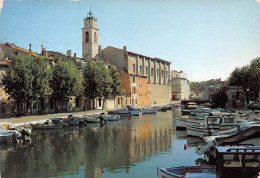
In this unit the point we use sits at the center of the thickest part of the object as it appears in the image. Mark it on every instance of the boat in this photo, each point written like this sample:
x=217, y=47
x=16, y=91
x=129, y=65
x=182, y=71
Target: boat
x=214, y=124
x=8, y=136
x=112, y=117
x=237, y=136
x=134, y=111
x=94, y=118
x=187, y=171
x=234, y=162
x=191, y=105
x=148, y=110
x=47, y=125
x=227, y=119
x=120, y=111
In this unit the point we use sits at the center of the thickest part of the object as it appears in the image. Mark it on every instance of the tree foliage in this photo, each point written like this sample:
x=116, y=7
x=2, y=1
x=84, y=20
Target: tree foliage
x=248, y=77
x=66, y=80
x=219, y=98
x=27, y=79
x=116, y=84
x=97, y=81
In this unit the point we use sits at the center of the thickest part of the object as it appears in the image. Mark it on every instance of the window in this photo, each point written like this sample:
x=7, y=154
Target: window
x=157, y=71
x=166, y=74
x=162, y=73
x=140, y=70
x=125, y=101
x=118, y=100
x=152, y=71
x=95, y=37
x=133, y=79
x=133, y=89
x=146, y=70
x=87, y=37
x=133, y=67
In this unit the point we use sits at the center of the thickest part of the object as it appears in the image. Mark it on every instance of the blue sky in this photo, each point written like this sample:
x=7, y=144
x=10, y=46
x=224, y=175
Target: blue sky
x=204, y=38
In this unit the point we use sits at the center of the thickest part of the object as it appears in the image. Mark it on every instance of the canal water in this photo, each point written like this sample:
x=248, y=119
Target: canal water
x=127, y=148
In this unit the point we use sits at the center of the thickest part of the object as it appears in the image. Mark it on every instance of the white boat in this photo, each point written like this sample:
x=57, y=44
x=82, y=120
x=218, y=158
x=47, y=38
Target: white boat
x=187, y=171
x=94, y=118
x=148, y=110
x=214, y=124
x=228, y=119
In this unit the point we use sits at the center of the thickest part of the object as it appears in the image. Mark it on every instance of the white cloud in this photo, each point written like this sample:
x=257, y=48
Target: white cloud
x=258, y=1
x=1, y=5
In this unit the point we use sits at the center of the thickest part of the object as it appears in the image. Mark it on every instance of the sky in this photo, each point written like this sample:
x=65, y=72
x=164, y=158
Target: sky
x=206, y=39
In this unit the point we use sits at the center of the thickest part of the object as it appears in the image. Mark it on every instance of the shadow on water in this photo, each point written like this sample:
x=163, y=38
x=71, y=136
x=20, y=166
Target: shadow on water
x=91, y=150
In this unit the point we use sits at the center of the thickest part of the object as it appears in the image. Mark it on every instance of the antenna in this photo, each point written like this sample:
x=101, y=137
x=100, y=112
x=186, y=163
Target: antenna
x=66, y=46
x=42, y=42
x=90, y=13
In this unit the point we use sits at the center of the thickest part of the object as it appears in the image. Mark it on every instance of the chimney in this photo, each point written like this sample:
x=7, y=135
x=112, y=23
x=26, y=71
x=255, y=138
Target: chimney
x=75, y=54
x=69, y=53
x=124, y=48
x=44, y=52
x=30, y=48
x=1, y=54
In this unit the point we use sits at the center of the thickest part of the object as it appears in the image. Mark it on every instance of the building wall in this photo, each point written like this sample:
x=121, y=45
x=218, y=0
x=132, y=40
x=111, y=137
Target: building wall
x=160, y=94
x=143, y=91
x=115, y=57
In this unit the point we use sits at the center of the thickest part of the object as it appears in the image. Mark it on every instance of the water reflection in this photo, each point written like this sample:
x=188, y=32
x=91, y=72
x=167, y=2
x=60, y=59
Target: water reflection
x=89, y=150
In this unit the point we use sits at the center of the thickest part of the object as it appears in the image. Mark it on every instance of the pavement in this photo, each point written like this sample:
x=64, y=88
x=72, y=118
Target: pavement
x=26, y=120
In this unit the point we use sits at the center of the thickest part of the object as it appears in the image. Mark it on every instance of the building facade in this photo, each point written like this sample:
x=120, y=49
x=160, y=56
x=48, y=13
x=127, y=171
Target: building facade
x=180, y=87
x=148, y=78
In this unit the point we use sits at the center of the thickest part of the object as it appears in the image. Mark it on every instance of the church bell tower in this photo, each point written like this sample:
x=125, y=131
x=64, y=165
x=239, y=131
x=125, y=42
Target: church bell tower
x=90, y=37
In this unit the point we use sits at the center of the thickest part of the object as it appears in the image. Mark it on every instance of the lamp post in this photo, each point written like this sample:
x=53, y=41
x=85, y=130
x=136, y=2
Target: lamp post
x=247, y=99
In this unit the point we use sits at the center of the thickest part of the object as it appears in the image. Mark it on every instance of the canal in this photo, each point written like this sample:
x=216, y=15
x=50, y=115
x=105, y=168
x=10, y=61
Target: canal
x=127, y=148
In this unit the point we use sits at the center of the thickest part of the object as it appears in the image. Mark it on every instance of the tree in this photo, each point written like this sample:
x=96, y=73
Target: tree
x=66, y=81
x=97, y=81
x=27, y=79
x=116, y=84
x=219, y=98
x=248, y=77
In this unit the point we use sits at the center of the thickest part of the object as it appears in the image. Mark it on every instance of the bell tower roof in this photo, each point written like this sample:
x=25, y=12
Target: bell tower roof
x=90, y=15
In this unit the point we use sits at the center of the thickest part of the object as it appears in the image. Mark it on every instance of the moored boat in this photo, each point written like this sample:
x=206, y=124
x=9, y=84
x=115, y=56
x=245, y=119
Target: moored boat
x=187, y=171
x=111, y=117
x=47, y=125
x=148, y=110
x=234, y=162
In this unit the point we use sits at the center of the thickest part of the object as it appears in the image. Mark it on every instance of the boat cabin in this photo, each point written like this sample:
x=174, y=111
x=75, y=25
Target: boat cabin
x=243, y=161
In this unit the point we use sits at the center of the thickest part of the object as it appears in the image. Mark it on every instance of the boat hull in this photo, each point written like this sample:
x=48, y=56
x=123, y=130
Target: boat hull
x=200, y=171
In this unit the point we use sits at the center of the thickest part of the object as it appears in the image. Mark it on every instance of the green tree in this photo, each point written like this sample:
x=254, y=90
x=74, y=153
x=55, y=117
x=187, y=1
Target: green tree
x=66, y=81
x=219, y=98
x=116, y=84
x=248, y=77
x=27, y=79
x=97, y=81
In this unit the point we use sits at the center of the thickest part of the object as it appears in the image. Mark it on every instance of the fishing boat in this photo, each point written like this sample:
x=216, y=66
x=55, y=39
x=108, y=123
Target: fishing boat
x=7, y=136
x=227, y=119
x=233, y=162
x=187, y=171
x=111, y=117
x=148, y=110
x=48, y=125
x=120, y=111
x=214, y=124
x=134, y=111
x=94, y=118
